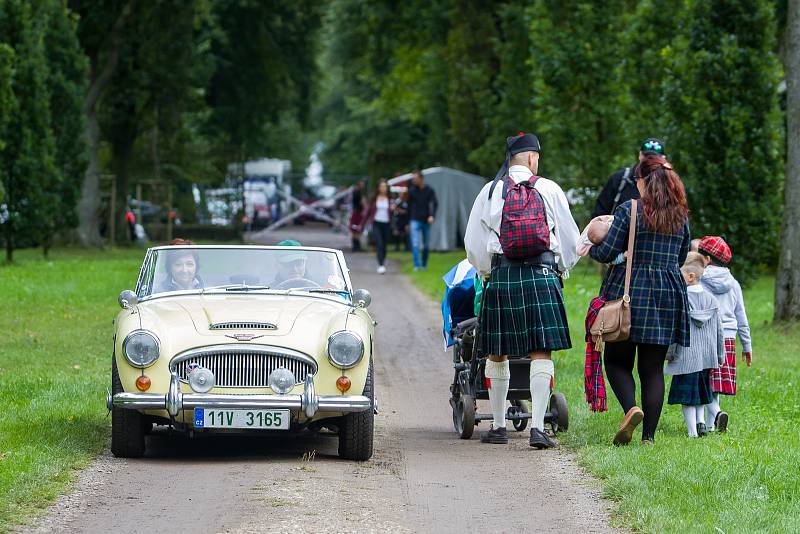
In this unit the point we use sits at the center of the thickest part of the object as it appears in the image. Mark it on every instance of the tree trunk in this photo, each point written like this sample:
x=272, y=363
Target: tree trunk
x=122, y=149
x=787, y=286
x=89, y=203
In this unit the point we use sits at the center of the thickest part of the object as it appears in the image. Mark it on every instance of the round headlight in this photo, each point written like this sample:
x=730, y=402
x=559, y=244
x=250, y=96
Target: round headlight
x=201, y=380
x=345, y=349
x=141, y=348
x=281, y=380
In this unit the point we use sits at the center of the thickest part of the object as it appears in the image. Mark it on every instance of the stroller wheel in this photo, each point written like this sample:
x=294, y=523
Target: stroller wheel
x=519, y=407
x=464, y=416
x=559, y=412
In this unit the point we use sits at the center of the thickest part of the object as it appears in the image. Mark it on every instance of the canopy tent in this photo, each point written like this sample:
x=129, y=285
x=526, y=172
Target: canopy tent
x=456, y=192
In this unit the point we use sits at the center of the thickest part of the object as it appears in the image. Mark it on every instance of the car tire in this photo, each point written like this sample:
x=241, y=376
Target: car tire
x=356, y=429
x=127, y=426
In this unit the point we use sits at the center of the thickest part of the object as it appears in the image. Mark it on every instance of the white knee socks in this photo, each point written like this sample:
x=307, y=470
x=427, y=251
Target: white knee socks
x=712, y=409
x=690, y=416
x=542, y=372
x=499, y=375
x=700, y=413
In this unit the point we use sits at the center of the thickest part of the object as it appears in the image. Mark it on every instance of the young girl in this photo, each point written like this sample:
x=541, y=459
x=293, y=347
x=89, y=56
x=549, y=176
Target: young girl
x=380, y=215
x=724, y=287
x=691, y=367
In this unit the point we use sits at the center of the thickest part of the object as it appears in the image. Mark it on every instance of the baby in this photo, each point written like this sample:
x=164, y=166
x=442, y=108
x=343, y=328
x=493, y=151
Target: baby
x=594, y=233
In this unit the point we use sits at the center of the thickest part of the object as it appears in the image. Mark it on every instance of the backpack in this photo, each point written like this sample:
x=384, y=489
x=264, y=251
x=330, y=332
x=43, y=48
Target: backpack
x=524, y=232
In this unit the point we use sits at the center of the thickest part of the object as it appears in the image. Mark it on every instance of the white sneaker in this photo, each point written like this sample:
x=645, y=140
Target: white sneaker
x=381, y=269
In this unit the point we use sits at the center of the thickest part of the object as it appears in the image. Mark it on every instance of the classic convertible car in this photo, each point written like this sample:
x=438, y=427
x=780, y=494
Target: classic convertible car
x=243, y=339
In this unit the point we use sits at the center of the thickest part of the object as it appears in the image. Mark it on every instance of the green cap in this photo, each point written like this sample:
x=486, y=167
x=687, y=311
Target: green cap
x=293, y=256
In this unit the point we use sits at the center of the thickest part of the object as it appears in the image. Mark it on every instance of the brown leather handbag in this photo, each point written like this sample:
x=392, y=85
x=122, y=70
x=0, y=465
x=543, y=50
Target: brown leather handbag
x=613, y=321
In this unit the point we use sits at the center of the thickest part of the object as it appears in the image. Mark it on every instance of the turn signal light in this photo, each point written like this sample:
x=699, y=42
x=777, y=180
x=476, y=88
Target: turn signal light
x=143, y=383
x=343, y=384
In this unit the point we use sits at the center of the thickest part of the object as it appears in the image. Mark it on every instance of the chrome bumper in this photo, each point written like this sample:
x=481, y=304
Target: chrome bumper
x=175, y=401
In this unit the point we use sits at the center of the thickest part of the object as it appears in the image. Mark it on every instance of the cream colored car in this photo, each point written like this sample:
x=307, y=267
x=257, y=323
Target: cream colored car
x=243, y=339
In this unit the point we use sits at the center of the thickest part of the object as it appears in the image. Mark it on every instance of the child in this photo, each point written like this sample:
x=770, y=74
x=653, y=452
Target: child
x=690, y=367
x=594, y=234
x=724, y=287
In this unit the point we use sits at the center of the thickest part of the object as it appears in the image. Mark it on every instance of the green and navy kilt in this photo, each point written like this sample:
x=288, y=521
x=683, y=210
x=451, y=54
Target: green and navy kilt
x=523, y=311
x=692, y=389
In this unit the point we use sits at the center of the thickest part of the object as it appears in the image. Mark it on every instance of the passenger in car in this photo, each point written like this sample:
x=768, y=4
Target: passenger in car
x=182, y=267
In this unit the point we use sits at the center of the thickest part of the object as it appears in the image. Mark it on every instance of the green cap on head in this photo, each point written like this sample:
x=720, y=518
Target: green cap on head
x=290, y=243
x=292, y=256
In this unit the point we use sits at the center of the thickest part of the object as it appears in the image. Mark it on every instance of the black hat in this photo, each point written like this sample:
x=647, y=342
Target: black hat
x=653, y=145
x=523, y=143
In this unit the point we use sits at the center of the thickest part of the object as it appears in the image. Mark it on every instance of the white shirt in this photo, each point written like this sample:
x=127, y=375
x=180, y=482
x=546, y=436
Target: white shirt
x=481, y=239
x=382, y=210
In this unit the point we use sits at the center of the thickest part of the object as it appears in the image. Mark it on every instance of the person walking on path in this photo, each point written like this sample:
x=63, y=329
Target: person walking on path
x=658, y=305
x=422, y=205
x=379, y=214
x=400, y=222
x=621, y=186
x=523, y=306
x=357, y=214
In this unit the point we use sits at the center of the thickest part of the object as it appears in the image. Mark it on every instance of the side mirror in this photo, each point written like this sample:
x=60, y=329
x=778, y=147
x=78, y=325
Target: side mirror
x=362, y=298
x=127, y=299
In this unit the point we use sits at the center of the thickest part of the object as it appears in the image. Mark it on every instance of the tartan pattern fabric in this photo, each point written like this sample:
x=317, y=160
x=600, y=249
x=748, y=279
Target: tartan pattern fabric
x=523, y=229
x=716, y=247
x=594, y=384
x=723, y=379
x=691, y=389
x=522, y=311
x=659, y=305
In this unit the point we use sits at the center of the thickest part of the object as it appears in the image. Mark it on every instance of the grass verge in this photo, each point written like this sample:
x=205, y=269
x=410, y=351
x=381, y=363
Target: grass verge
x=743, y=481
x=55, y=357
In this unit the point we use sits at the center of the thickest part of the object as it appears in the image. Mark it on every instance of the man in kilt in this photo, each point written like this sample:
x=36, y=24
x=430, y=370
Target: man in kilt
x=523, y=307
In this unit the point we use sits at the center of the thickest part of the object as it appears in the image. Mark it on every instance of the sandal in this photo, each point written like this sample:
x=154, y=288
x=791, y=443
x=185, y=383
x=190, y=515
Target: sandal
x=628, y=425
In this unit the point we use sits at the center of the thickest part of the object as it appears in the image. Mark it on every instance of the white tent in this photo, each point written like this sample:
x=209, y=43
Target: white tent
x=456, y=192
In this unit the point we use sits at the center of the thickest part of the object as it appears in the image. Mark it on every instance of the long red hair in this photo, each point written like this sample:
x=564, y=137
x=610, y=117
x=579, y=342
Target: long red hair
x=664, y=198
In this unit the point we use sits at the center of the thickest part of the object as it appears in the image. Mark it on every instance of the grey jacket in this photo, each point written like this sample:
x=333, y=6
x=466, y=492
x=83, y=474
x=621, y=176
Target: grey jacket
x=723, y=286
x=707, y=350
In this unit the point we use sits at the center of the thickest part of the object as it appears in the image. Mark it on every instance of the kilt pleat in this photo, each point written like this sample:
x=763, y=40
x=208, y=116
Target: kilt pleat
x=523, y=311
x=723, y=379
x=691, y=389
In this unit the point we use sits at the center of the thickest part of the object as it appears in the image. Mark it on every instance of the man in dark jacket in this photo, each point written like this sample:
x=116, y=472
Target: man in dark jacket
x=422, y=205
x=621, y=185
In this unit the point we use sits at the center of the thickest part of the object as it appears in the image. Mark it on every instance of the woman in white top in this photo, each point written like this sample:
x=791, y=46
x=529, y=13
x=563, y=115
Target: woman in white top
x=380, y=214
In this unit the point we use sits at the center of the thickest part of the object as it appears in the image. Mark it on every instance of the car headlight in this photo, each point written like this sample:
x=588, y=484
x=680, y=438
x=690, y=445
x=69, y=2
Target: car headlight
x=141, y=348
x=345, y=349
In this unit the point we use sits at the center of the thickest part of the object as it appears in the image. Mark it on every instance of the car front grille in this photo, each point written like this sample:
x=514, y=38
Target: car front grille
x=238, y=367
x=242, y=326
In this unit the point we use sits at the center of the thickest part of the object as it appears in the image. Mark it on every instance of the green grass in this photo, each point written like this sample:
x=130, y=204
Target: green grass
x=743, y=481
x=55, y=358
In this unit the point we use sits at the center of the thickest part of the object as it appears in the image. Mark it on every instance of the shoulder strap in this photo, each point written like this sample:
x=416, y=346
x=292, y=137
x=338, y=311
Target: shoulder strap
x=622, y=183
x=631, y=241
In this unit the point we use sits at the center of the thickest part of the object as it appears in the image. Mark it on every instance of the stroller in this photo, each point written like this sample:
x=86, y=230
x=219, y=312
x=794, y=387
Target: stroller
x=461, y=331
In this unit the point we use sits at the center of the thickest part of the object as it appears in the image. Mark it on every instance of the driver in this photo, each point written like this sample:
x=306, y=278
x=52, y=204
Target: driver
x=291, y=264
x=182, y=266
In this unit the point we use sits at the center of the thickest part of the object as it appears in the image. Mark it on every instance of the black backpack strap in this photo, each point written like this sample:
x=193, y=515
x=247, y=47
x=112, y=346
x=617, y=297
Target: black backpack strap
x=622, y=184
x=494, y=185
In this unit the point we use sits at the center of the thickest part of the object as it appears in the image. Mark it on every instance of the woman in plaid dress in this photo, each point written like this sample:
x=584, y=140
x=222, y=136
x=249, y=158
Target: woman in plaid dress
x=659, y=308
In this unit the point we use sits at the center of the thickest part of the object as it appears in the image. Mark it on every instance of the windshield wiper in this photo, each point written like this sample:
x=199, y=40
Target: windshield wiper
x=324, y=290
x=245, y=288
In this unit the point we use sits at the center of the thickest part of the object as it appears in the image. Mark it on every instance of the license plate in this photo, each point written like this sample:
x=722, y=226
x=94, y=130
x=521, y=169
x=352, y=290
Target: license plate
x=260, y=419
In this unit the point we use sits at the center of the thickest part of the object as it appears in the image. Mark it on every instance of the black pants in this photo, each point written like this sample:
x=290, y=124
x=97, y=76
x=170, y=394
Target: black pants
x=619, y=359
x=382, y=231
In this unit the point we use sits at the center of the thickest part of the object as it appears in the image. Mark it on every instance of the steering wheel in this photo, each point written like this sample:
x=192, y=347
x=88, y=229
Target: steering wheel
x=296, y=282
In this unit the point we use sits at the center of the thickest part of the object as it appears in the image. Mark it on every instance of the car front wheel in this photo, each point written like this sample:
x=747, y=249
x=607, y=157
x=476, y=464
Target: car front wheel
x=356, y=429
x=127, y=426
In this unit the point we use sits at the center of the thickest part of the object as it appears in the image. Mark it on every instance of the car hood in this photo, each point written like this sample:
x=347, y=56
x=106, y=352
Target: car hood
x=230, y=313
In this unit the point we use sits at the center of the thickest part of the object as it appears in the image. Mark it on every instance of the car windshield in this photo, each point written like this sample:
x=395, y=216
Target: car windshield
x=240, y=270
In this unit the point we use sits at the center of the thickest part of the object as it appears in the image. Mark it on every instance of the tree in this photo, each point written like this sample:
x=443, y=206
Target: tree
x=720, y=94
x=787, y=286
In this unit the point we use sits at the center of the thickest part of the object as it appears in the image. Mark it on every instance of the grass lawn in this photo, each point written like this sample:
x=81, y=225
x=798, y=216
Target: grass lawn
x=55, y=360
x=743, y=481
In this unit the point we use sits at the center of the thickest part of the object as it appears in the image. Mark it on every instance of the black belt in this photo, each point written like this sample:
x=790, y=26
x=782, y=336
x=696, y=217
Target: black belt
x=545, y=260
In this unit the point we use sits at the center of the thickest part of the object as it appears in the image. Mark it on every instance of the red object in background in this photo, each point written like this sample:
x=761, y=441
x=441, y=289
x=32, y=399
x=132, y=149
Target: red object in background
x=172, y=214
x=130, y=217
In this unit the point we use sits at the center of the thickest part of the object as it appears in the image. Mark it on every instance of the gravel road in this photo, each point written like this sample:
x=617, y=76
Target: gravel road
x=421, y=478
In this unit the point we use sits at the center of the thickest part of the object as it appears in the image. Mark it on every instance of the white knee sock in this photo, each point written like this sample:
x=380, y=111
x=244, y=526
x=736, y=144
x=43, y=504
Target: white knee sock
x=689, y=415
x=712, y=409
x=542, y=372
x=499, y=375
x=700, y=413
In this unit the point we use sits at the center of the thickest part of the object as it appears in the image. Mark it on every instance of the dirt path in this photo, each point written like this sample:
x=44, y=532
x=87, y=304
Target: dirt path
x=421, y=479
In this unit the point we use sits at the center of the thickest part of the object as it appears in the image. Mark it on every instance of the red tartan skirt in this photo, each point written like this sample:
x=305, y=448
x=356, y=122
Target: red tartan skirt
x=723, y=379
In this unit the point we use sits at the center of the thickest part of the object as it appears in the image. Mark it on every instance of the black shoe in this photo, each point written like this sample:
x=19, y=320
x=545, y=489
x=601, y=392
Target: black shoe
x=721, y=422
x=701, y=429
x=540, y=440
x=496, y=436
